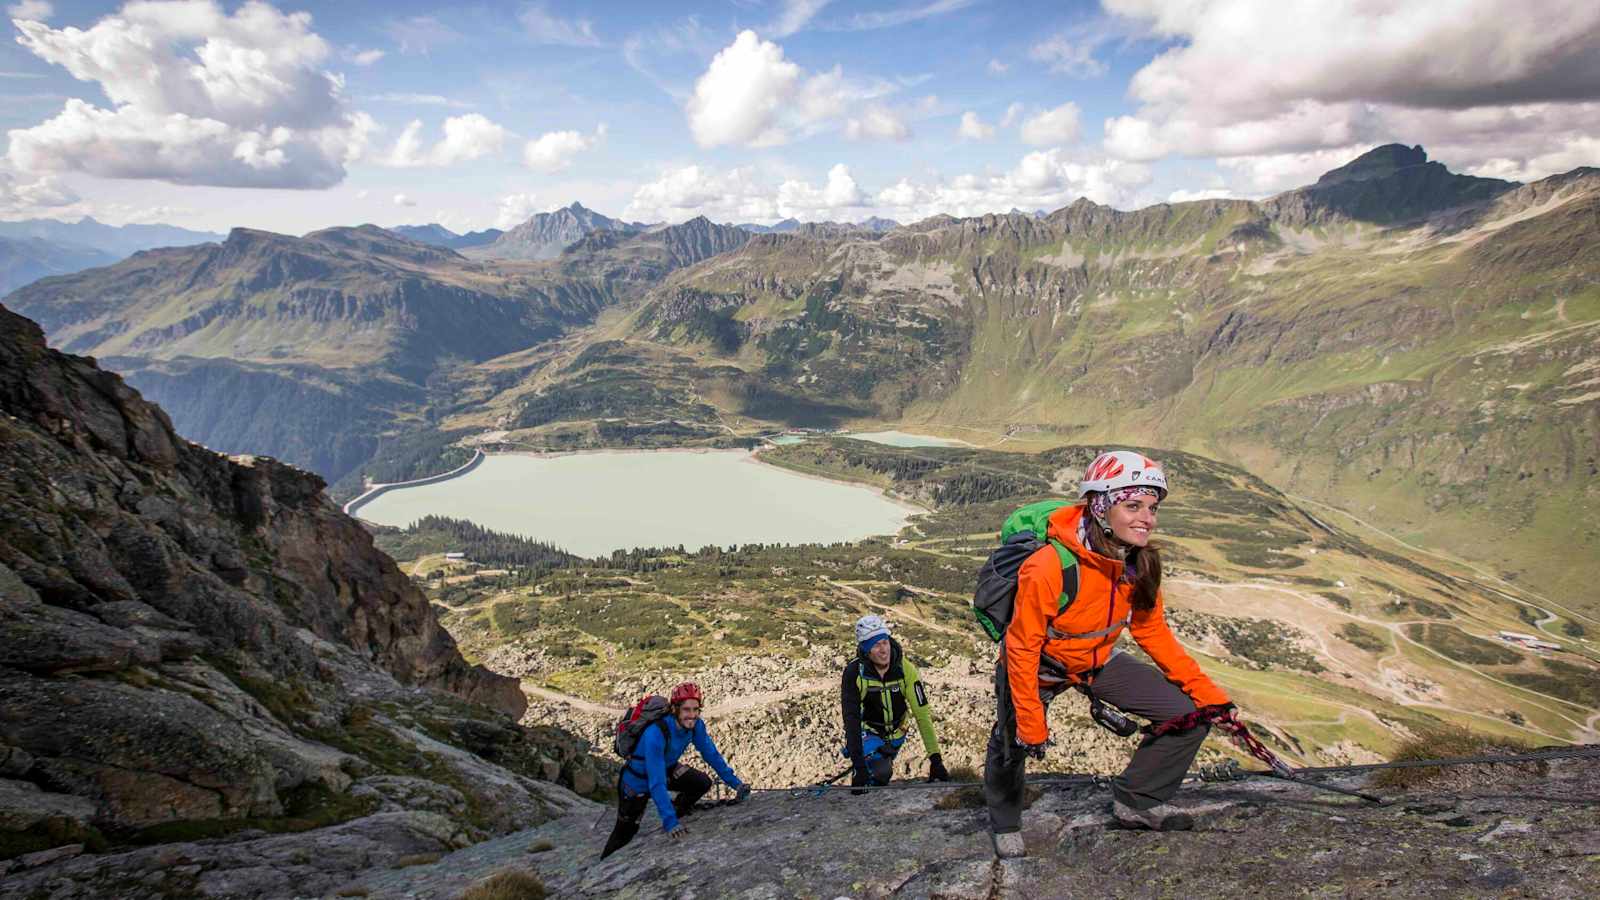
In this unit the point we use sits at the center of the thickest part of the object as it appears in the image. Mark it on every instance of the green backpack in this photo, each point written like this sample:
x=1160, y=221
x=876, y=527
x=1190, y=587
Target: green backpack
x=1022, y=533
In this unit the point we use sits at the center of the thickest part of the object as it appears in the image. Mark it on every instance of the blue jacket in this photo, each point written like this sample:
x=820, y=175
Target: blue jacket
x=658, y=759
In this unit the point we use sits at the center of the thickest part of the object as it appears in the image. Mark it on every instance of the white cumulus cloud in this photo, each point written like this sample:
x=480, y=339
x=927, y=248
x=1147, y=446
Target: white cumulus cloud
x=738, y=99
x=996, y=67
x=1473, y=80
x=973, y=128
x=27, y=197
x=1184, y=196
x=404, y=200
x=465, y=139
x=555, y=150
x=752, y=95
x=799, y=199
x=738, y=195
x=1053, y=126
x=1045, y=179
x=200, y=96
x=514, y=209
x=682, y=193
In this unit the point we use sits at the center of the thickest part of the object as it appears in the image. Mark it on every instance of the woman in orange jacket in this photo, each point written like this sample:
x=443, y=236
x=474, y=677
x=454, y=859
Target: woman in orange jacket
x=1048, y=648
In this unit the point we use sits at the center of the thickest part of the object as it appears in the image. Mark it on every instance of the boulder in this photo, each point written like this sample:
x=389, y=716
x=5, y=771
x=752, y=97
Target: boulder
x=24, y=805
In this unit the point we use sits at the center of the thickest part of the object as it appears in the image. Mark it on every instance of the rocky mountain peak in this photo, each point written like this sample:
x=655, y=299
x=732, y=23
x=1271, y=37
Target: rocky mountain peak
x=1379, y=162
x=546, y=235
x=1390, y=184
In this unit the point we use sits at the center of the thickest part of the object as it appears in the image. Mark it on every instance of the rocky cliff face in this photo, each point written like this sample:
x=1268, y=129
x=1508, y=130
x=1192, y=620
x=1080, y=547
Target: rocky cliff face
x=192, y=645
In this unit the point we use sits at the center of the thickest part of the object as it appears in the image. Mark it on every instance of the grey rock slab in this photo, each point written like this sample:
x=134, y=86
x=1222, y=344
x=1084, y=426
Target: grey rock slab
x=128, y=613
x=145, y=756
x=23, y=805
x=35, y=637
x=45, y=857
x=310, y=864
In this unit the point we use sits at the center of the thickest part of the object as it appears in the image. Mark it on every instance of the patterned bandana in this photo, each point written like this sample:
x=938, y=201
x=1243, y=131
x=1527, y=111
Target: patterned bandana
x=1101, y=502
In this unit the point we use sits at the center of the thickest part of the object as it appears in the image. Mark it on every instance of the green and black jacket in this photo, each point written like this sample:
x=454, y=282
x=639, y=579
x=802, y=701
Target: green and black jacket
x=879, y=704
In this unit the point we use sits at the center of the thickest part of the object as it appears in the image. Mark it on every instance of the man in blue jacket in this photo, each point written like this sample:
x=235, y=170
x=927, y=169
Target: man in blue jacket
x=654, y=770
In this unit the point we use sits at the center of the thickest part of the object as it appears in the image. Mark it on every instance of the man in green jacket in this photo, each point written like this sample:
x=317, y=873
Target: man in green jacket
x=876, y=691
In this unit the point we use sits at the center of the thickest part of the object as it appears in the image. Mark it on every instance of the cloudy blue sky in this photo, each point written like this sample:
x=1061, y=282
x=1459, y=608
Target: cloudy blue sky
x=298, y=115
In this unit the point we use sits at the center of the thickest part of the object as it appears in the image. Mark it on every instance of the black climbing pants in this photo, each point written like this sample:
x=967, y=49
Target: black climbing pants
x=689, y=784
x=1152, y=777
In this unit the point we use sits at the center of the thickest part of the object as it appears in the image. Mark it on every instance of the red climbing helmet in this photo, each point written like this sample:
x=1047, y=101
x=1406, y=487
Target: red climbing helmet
x=687, y=691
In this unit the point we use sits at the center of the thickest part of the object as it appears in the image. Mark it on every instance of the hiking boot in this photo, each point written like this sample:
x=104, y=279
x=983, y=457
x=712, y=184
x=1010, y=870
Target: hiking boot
x=1164, y=817
x=1008, y=845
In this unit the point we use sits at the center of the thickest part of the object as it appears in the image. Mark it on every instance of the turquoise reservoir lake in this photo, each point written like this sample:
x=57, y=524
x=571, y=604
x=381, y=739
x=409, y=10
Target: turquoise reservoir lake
x=593, y=503
x=902, y=439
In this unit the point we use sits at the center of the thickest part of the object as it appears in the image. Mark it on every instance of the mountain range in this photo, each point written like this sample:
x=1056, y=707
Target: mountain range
x=31, y=249
x=790, y=225
x=312, y=348
x=1410, y=345
x=440, y=236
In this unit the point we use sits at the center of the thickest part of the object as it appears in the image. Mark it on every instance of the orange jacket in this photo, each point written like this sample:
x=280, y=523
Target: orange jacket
x=1102, y=609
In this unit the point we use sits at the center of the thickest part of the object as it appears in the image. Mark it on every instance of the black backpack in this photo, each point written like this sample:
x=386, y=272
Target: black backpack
x=995, y=598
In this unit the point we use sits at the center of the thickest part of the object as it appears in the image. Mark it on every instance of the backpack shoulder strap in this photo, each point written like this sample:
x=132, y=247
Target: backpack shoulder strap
x=1069, y=575
x=666, y=735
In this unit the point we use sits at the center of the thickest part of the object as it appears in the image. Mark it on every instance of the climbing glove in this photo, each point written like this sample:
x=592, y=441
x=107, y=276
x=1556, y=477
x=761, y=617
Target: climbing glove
x=858, y=780
x=1035, y=750
x=742, y=794
x=936, y=769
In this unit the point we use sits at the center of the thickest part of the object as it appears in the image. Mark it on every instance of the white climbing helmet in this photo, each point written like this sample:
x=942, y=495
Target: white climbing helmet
x=1117, y=469
x=870, y=626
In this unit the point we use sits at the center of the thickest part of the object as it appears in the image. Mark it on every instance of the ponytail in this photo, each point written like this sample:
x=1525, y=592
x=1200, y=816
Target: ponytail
x=1147, y=586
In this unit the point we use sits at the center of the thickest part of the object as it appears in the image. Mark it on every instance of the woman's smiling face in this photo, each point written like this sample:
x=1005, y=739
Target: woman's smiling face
x=1133, y=520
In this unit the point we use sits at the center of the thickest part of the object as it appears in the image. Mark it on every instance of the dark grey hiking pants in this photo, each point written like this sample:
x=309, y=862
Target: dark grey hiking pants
x=1153, y=775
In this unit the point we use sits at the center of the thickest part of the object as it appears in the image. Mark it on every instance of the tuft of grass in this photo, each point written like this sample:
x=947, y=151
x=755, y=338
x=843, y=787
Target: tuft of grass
x=972, y=798
x=965, y=773
x=541, y=847
x=510, y=884
x=417, y=859
x=1446, y=743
